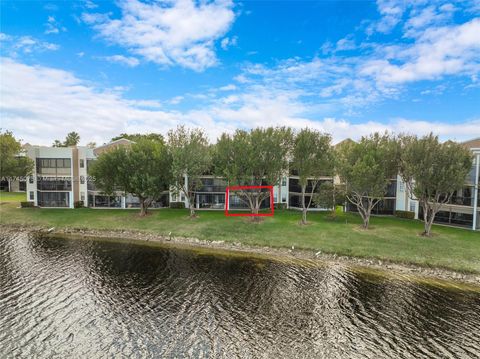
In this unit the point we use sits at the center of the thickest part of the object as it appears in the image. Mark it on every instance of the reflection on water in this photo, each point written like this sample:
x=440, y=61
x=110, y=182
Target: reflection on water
x=71, y=298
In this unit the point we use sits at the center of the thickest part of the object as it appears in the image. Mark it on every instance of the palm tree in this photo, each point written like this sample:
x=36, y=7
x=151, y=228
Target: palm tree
x=72, y=139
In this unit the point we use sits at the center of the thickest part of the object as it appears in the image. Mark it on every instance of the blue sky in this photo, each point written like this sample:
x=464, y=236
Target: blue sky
x=344, y=67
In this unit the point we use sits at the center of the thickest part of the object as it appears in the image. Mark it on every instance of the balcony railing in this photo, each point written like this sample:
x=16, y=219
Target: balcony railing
x=211, y=189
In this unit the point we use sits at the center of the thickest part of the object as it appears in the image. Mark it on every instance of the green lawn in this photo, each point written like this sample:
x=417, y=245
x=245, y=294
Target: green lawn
x=388, y=239
x=12, y=196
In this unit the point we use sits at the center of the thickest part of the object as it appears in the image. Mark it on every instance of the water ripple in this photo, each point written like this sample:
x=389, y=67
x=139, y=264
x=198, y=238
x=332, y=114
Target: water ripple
x=89, y=299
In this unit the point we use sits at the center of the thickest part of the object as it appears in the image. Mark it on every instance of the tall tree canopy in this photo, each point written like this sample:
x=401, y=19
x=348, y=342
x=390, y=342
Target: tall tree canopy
x=13, y=162
x=312, y=159
x=330, y=195
x=432, y=172
x=191, y=156
x=72, y=139
x=367, y=168
x=138, y=136
x=143, y=169
x=256, y=157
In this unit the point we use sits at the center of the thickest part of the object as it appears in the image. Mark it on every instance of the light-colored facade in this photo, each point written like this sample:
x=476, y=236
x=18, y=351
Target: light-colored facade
x=59, y=178
x=464, y=207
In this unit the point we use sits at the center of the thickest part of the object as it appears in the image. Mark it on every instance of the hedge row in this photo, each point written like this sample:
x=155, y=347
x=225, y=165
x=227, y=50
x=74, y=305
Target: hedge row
x=405, y=214
x=177, y=205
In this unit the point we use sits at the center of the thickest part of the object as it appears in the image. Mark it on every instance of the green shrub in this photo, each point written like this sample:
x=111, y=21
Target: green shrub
x=27, y=204
x=280, y=206
x=78, y=204
x=177, y=205
x=405, y=214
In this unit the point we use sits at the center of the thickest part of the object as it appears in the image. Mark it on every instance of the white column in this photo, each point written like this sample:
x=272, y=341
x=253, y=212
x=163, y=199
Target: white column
x=71, y=198
x=475, y=197
x=288, y=192
x=187, y=202
x=124, y=200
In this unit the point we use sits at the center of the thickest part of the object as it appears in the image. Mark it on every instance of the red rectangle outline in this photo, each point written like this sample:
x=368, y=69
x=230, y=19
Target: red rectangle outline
x=269, y=214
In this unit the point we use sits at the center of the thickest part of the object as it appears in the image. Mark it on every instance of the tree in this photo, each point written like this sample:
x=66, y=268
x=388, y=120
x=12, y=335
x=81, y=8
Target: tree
x=191, y=157
x=330, y=195
x=312, y=159
x=72, y=139
x=13, y=162
x=142, y=169
x=254, y=158
x=432, y=172
x=367, y=168
x=91, y=144
x=138, y=136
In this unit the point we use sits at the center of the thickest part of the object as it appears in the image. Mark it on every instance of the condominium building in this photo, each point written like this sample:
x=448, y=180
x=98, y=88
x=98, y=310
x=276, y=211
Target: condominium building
x=61, y=178
x=463, y=209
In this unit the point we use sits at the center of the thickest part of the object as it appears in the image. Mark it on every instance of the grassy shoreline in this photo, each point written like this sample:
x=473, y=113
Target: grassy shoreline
x=389, y=239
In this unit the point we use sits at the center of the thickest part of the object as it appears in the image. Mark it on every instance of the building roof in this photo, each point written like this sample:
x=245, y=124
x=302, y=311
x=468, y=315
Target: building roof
x=113, y=144
x=471, y=144
x=347, y=140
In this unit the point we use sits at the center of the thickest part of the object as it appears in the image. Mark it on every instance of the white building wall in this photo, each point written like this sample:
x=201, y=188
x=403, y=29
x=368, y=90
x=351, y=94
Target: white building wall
x=401, y=201
x=35, y=152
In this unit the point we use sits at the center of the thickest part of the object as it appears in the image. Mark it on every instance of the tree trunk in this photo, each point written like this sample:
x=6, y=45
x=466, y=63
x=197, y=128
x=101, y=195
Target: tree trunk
x=255, y=209
x=192, y=210
x=9, y=185
x=426, y=227
x=143, y=207
x=428, y=217
x=255, y=206
x=365, y=214
x=191, y=202
x=304, y=208
x=366, y=221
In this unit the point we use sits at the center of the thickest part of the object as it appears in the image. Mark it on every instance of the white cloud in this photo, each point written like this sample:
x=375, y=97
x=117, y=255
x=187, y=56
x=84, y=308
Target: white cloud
x=345, y=44
x=4, y=37
x=74, y=104
x=391, y=12
x=99, y=114
x=25, y=44
x=441, y=51
x=180, y=32
x=176, y=100
x=52, y=26
x=228, y=42
x=229, y=87
x=90, y=4
x=124, y=60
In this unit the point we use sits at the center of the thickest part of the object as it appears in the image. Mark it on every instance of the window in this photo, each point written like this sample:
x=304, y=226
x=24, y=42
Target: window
x=284, y=181
x=82, y=163
x=53, y=199
x=32, y=196
x=82, y=179
x=51, y=164
x=54, y=184
x=401, y=187
x=412, y=206
x=30, y=179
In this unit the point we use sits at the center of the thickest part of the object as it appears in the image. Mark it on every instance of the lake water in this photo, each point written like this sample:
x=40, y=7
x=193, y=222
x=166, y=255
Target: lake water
x=92, y=299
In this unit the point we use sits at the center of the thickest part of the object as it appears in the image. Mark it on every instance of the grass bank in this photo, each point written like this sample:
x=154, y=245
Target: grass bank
x=390, y=239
